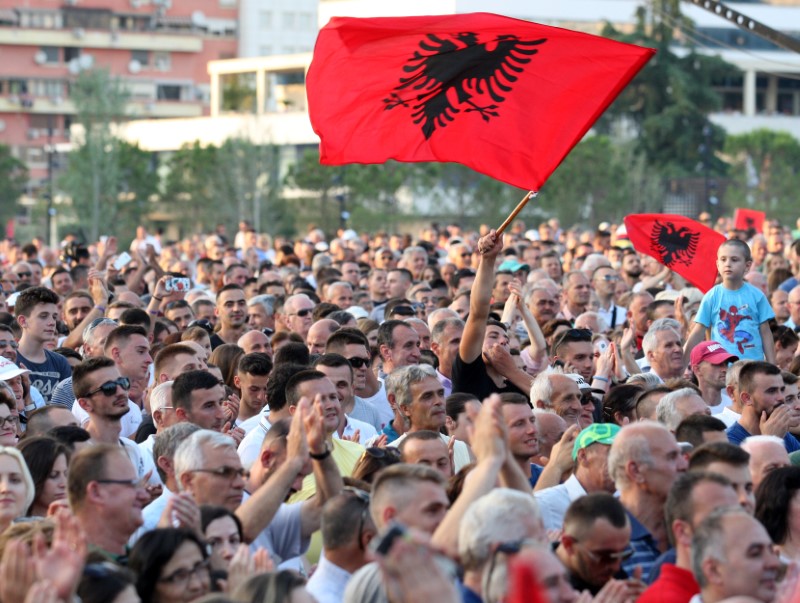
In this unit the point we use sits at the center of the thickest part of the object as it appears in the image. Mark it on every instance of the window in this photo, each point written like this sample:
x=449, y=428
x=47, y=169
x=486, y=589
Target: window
x=162, y=61
x=265, y=51
x=304, y=21
x=51, y=54
x=288, y=20
x=143, y=56
x=70, y=52
x=265, y=19
x=168, y=92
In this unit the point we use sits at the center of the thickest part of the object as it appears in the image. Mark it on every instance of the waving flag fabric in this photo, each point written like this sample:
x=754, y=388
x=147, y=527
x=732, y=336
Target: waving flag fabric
x=506, y=97
x=683, y=245
x=745, y=219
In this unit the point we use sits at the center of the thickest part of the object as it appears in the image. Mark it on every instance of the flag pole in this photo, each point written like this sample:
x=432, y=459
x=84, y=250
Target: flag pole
x=530, y=195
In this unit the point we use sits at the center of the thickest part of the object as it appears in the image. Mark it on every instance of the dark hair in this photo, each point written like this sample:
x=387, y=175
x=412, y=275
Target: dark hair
x=621, y=399
x=292, y=353
x=680, y=504
x=294, y=383
x=373, y=460
x=424, y=435
x=103, y=582
x=69, y=435
x=40, y=454
x=153, y=551
x=456, y=403
x=774, y=499
x=81, y=372
x=255, y=363
x=333, y=361
x=743, y=247
x=718, y=452
x=28, y=299
x=785, y=336
x=343, y=337
x=135, y=316
x=123, y=333
x=226, y=357
x=386, y=331
x=515, y=399
x=186, y=383
x=692, y=428
x=274, y=587
x=276, y=384
x=168, y=353
x=584, y=511
x=228, y=287
x=210, y=513
x=39, y=420
x=749, y=371
x=68, y=353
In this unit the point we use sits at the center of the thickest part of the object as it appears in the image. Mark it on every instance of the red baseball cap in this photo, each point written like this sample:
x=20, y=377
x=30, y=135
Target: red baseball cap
x=712, y=352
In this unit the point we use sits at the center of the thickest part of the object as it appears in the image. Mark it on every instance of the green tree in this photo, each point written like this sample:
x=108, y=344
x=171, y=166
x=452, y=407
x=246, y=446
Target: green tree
x=765, y=174
x=94, y=175
x=13, y=178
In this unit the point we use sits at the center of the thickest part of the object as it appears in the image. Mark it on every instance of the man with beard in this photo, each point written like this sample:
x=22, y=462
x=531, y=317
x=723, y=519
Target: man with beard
x=709, y=363
x=232, y=313
x=637, y=317
x=103, y=394
x=631, y=268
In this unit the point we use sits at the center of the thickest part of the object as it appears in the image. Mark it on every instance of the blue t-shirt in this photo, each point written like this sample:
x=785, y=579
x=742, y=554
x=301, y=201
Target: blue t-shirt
x=46, y=375
x=734, y=317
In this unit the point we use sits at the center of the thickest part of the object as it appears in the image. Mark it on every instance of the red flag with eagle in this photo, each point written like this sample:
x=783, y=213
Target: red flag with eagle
x=745, y=219
x=681, y=244
x=506, y=97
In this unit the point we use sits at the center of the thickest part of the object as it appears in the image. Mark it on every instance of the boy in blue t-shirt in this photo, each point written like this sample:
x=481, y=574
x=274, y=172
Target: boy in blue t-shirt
x=735, y=312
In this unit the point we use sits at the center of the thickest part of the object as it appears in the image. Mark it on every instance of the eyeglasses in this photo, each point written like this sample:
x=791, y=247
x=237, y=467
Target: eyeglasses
x=109, y=388
x=610, y=277
x=182, y=576
x=587, y=399
x=466, y=254
x=303, y=313
x=364, y=497
x=226, y=472
x=9, y=344
x=511, y=547
x=9, y=421
x=137, y=484
x=24, y=274
x=358, y=362
x=606, y=557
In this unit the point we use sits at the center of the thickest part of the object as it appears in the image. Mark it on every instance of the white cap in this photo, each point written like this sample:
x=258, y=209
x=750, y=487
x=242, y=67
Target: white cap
x=9, y=370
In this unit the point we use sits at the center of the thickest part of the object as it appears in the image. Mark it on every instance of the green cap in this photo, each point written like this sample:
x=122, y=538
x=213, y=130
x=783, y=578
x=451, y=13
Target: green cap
x=596, y=432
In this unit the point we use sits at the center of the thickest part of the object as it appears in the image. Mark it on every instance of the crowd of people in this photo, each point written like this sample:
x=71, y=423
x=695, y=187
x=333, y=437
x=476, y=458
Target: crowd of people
x=538, y=415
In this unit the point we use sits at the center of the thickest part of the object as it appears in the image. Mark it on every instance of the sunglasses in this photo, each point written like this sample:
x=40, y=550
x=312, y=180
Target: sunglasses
x=203, y=323
x=109, y=388
x=404, y=311
x=9, y=344
x=303, y=313
x=24, y=274
x=357, y=362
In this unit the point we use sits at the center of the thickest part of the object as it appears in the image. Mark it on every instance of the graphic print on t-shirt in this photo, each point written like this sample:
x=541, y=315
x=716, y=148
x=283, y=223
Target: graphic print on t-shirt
x=729, y=322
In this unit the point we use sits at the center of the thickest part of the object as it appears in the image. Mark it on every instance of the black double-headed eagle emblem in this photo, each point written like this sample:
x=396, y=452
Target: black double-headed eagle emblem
x=449, y=74
x=674, y=245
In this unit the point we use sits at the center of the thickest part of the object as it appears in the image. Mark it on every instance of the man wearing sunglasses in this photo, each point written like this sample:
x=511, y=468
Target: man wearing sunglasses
x=102, y=393
x=24, y=273
x=594, y=543
x=296, y=315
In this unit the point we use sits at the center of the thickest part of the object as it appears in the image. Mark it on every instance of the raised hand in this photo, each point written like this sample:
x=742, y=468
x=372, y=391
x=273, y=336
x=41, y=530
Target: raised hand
x=61, y=564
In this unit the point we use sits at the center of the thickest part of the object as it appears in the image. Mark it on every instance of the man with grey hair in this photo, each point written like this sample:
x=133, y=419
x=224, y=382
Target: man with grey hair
x=438, y=315
x=208, y=467
x=592, y=321
x=163, y=417
x=553, y=390
x=164, y=446
x=261, y=312
x=676, y=406
x=663, y=349
x=418, y=398
x=497, y=518
x=414, y=259
x=296, y=314
x=445, y=338
x=731, y=414
x=542, y=301
x=644, y=461
x=733, y=556
x=340, y=293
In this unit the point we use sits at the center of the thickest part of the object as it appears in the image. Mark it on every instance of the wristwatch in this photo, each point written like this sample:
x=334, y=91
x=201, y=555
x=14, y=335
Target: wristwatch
x=322, y=455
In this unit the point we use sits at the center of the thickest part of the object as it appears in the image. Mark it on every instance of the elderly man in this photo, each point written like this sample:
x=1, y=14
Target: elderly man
x=662, y=346
x=733, y=556
x=445, y=339
x=255, y=341
x=318, y=335
x=590, y=455
x=296, y=315
x=107, y=497
x=417, y=395
x=709, y=363
x=555, y=391
x=644, y=461
x=767, y=453
x=341, y=294
x=594, y=544
x=793, y=301
x=761, y=390
x=692, y=498
x=674, y=407
x=261, y=312
x=543, y=303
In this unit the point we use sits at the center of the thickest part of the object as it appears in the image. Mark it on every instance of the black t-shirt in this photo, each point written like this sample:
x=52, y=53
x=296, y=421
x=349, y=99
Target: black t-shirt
x=216, y=341
x=473, y=379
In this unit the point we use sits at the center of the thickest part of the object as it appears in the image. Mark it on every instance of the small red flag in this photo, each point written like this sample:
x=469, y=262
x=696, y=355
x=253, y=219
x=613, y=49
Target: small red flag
x=682, y=244
x=745, y=219
x=506, y=97
x=524, y=586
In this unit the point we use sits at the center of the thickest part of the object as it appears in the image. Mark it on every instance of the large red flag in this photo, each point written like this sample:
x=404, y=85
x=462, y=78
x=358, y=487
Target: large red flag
x=682, y=244
x=745, y=219
x=506, y=97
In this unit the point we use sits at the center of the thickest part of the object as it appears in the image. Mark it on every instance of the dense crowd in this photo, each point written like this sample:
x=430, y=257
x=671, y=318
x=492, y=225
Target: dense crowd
x=542, y=415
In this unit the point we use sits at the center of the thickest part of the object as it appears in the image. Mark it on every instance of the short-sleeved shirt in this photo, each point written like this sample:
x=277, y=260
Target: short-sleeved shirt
x=645, y=548
x=472, y=378
x=734, y=317
x=46, y=375
x=738, y=434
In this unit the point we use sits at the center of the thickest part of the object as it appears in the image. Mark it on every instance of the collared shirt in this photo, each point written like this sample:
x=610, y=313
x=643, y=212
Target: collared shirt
x=328, y=582
x=447, y=384
x=644, y=545
x=554, y=501
x=675, y=585
x=365, y=430
x=251, y=443
x=390, y=433
x=467, y=594
x=614, y=315
x=461, y=456
x=738, y=434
